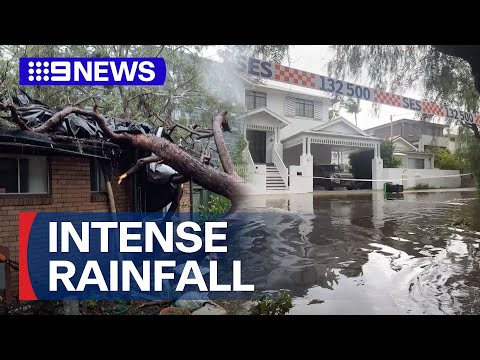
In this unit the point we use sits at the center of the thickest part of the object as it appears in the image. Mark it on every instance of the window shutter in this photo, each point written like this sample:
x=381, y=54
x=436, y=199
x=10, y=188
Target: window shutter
x=289, y=106
x=318, y=110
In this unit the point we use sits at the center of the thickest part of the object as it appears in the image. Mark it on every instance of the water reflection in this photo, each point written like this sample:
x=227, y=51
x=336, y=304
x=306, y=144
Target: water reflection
x=359, y=253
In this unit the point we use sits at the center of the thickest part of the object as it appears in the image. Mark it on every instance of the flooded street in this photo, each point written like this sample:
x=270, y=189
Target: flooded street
x=359, y=253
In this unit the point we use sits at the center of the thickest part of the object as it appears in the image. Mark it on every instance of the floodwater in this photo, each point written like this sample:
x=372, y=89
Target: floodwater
x=359, y=253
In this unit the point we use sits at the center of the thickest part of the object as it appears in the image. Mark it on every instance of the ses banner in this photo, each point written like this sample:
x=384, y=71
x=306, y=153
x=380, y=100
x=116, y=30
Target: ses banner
x=272, y=71
x=129, y=256
x=92, y=71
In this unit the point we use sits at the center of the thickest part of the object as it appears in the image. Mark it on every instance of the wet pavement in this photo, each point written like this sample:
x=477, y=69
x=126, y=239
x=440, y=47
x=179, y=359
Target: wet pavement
x=359, y=253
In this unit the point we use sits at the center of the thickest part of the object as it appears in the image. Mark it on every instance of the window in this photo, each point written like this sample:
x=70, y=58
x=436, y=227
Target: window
x=416, y=163
x=419, y=163
x=304, y=108
x=255, y=99
x=97, y=181
x=23, y=175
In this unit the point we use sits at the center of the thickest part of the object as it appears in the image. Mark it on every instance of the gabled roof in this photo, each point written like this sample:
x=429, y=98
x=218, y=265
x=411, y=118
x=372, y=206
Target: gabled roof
x=340, y=125
x=269, y=112
x=406, y=120
x=405, y=142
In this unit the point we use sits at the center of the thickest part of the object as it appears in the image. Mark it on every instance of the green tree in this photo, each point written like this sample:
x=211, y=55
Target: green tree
x=352, y=106
x=361, y=161
x=445, y=160
x=387, y=148
x=442, y=78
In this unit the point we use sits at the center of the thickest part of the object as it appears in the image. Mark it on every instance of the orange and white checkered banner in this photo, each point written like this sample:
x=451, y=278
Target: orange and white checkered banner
x=285, y=74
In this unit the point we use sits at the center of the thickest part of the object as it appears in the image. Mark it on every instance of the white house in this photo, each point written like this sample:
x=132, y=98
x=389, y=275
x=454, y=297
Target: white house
x=410, y=156
x=288, y=131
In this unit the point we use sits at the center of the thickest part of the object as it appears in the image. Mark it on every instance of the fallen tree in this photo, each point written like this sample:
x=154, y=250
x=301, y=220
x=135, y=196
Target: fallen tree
x=226, y=183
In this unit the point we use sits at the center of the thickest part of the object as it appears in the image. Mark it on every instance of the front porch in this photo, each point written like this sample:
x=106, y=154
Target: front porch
x=267, y=171
x=306, y=149
x=281, y=155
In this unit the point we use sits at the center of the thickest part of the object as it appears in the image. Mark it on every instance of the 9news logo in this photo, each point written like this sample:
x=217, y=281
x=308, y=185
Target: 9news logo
x=92, y=71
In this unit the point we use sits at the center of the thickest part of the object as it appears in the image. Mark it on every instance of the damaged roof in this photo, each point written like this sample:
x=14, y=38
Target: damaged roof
x=77, y=134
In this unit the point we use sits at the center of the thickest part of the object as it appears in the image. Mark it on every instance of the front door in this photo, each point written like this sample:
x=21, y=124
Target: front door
x=257, y=145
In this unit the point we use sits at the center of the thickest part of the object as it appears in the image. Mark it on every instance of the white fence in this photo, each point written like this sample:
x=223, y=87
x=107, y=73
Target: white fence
x=434, y=178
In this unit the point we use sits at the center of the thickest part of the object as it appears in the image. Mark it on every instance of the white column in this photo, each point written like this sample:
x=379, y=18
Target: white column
x=377, y=168
x=304, y=146
x=306, y=163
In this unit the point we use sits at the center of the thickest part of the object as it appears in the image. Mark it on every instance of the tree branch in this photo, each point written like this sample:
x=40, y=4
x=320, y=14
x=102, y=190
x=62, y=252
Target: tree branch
x=15, y=117
x=476, y=132
x=223, y=183
x=220, y=124
x=140, y=164
x=179, y=179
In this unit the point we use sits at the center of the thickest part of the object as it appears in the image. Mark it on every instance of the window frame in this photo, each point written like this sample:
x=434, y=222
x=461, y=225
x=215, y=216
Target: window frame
x=100, y=170
x=304, y=102
x=254, y=93
x=18, y=157
x=417, y=160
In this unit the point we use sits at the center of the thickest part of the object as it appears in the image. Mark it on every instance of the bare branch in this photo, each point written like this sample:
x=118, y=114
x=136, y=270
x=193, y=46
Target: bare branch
x=15, y=117
x=140, y=164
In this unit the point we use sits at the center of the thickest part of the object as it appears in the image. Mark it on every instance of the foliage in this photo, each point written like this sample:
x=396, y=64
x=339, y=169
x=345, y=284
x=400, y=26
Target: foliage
x=186, y=86
x=361, y=161
x=352, y=106
x=399, y=67
x=445, y=160
x=469, y=152
x=273, y=305
x=238, y=157
x=275, y=53
x=215, y=209
x=387, y=148
x=333, y=113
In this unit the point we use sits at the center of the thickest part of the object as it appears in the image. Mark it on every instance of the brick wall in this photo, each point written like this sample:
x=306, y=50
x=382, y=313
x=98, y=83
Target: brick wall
x=69, y=191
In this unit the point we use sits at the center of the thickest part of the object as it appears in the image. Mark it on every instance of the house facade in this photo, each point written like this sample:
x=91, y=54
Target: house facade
x=421, y=134
x=38, y=174
x=410, y=156
x=288, y=131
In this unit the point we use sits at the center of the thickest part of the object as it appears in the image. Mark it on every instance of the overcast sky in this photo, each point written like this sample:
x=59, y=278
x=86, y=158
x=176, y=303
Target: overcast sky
x=314, y=58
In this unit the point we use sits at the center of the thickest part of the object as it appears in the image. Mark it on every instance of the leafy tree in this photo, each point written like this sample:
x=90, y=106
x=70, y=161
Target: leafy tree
x=352, y=106
x=361, y=161
x=445, y=160
x=186, y=89
x=387, y=148
x=443, y=78
x=333, y=113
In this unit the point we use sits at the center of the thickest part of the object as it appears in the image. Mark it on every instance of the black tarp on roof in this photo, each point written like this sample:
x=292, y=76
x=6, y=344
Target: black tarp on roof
x=35, y=113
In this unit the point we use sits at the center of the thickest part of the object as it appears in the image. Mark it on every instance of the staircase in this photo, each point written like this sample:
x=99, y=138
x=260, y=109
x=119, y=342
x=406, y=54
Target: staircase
x=274, y=179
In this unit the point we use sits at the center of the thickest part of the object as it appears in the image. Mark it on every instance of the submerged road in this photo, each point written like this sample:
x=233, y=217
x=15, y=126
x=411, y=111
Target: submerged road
x=357, y=252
